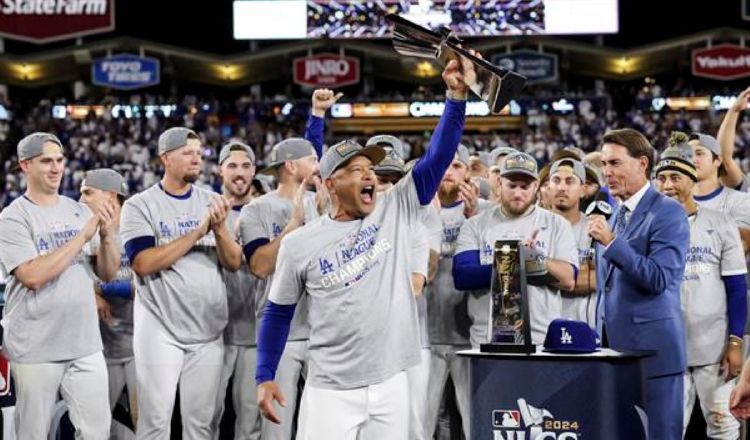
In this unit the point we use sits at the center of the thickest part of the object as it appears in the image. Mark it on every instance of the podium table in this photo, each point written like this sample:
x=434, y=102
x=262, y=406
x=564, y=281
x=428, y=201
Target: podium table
x=551, y=396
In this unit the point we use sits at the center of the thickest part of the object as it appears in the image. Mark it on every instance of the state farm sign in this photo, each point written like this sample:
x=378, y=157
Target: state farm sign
x=326, y=70
x=42, y=21
x=724, y=62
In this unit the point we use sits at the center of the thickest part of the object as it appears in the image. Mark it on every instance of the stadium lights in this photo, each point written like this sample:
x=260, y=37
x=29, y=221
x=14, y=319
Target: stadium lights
x=426, y=69
x=26, y=72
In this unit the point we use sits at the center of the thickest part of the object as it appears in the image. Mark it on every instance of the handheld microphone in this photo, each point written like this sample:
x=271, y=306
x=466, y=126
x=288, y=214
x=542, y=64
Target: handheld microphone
x=599, y=207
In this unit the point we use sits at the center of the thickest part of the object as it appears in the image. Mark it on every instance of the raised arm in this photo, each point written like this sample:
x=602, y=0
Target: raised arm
x=726, y=137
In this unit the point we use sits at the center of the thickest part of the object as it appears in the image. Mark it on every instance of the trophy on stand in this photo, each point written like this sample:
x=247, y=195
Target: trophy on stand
x=509, y=326
x=493, y=84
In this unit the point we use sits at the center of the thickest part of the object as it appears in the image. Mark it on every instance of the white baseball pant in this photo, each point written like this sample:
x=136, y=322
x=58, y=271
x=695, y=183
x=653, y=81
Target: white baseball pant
x=445, y=361
x=419, y=376
x=292, y=366
x=374, y=412
x=240, y=362
x=82, y=383
x=708, y=384
x=122, y=374
x=161, y=364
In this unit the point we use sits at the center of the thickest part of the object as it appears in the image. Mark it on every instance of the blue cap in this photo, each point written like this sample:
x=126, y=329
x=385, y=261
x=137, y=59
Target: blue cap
x=567, y=336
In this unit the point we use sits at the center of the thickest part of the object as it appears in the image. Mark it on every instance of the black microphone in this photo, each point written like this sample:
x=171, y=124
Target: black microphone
x=597, y=207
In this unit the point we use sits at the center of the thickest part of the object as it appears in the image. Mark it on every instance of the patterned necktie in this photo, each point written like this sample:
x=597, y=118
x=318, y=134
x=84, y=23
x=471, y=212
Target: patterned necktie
x=621, y=220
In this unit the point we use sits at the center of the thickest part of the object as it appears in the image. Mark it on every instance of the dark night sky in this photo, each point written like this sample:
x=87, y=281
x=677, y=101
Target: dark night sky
x=207, y=25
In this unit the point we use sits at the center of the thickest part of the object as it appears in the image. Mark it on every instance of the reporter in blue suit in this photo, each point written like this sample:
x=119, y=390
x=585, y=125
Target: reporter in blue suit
x=640, y=263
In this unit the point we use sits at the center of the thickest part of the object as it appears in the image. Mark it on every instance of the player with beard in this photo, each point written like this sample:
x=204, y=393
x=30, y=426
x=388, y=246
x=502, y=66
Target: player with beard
x=177, y=239
x=548, y=239
x=268, y=219
x=447, y=318
x=713, y=299
x=237, y=169
x=567, y=177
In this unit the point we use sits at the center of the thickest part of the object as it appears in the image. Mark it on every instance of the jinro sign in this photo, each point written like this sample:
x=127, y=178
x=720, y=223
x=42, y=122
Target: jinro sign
x=42, y=21
x=125, y=72
x=723, y=62
x=326, y=70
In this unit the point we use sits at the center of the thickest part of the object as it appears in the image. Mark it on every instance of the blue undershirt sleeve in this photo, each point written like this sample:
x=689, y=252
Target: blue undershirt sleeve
x=272, y=335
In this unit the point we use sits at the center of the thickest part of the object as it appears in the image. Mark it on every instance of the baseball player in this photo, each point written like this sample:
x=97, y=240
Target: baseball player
x=114, y=300
x=427, y=238
x=567, y=177
x=353, y=266
x=237, y=169
x=734, y=177
x=268, y=219
x=51, y=330
x=713, y=300
x=448, y=318
x=708, y=191
x=548, y=239
x=177, y=240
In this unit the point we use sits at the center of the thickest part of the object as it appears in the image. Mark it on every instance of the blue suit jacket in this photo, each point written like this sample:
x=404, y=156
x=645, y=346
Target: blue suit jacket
x=638, y=284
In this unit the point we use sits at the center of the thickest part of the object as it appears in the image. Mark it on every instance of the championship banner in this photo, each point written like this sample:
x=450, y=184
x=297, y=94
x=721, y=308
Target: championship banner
x=326, y=70
x=42, y=21
x=723, y=62
x=125, y=72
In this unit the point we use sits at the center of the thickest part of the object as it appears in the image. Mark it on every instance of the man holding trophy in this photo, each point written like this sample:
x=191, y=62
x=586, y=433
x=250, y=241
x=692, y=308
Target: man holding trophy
x=497, y=239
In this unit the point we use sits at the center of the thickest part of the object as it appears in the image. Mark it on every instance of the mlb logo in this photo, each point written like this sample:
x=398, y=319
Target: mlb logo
x=506, y=418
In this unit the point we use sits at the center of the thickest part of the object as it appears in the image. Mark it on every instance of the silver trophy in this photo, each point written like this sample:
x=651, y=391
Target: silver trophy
x=493, y=84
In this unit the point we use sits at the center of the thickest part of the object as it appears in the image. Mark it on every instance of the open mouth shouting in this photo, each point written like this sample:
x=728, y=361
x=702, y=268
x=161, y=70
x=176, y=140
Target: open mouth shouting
x=367, y=194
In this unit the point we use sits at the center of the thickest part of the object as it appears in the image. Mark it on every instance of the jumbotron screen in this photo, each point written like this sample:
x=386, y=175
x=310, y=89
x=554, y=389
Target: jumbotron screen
x=299, y=19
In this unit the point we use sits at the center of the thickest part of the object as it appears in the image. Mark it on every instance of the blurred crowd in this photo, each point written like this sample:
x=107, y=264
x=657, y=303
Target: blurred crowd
x=128, y=144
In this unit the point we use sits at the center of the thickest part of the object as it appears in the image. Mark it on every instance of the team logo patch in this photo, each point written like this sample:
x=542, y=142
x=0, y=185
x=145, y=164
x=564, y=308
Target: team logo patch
x=347, y=148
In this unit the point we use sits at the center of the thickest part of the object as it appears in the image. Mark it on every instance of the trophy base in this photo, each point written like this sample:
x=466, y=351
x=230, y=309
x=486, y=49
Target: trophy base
x=494, y=347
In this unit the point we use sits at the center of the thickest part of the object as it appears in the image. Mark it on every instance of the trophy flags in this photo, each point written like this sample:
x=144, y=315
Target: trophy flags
x=493, y=84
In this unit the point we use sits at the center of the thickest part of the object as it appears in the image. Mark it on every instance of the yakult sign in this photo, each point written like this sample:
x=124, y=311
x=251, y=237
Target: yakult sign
x=42, y=21
x=326, y=70
x=723, y=62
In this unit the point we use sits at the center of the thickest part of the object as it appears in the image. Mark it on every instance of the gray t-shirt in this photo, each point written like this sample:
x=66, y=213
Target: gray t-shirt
x=448, y=315
x=580, y=307
x=734, y=203
x=265, y=218
x=59, y=321
x=117, y=335
x=555, y=238
x=420, y=261
x=356, y=275
x=243, y=290
x=715, y=251
x=189, y=297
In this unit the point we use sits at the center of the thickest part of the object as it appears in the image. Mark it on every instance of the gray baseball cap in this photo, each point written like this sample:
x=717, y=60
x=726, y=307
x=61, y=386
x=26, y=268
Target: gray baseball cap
x=174, y=138
x=106, y=179
x=578, y=169
x=386, y=140
x=462, y=154
x=500, y=151
x=227, y=149
x=340, y=153
x=520, y=163
x=485, y=157
x=390, y=164
x=288, y=149
x=33, y=144
x=707, y=141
